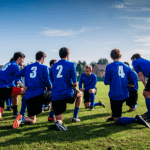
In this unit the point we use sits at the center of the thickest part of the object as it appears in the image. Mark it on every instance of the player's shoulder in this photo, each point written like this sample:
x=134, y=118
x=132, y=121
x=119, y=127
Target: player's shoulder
x=93, y=75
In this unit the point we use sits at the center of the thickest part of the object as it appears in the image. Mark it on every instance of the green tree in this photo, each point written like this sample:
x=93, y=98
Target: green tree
x=80, y=67
x=102, y=61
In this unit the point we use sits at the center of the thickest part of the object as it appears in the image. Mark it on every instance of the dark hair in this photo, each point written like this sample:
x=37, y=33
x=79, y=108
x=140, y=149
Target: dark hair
x=126, y=63
x=115, y=54
x=16, y=56
x=137, y=56
x=52, y=62
x=63, y=52
x=39, y=55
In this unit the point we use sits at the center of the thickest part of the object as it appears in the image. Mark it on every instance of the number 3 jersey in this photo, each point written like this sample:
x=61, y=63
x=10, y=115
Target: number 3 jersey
x=7, y=72
x=62, y=74
x=118, y=75
x=36, y=79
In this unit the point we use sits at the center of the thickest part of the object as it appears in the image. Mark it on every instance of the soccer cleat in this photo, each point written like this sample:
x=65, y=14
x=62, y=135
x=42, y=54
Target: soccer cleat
x=145, y=114
x=60, y=127
x=110, y=119
x=51, y=119
x=101, y=104
x=17, y=122
x=147, y=119
x=47, y=107
x=9, y=108
x=15, y=116
x=75, y=120
x=140, y=120
x=91, y=108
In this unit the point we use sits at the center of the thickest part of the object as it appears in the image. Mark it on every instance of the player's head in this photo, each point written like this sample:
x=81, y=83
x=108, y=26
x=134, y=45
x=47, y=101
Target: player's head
x=40, y=57
x=115, y=54
x=18, y=57
x=52, y=62
x=126, y=63
x=88, y=70
x=136, y=56
x=64, y=53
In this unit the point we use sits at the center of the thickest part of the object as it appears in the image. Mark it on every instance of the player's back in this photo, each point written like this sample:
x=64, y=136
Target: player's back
x=117, y=76
x=36, y=79
x=62, y=74
x=7, y=72
x=142, y=65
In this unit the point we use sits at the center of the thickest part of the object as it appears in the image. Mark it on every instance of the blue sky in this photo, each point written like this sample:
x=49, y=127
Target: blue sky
x=89, y=28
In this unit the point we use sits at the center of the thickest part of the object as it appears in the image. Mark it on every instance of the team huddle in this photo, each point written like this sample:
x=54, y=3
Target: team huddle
x=39, y=85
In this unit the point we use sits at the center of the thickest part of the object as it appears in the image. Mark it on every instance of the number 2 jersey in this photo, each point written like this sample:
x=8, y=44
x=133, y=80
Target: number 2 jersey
x=36, y=79
x=62, y=74
x=7, y=72
x=118, y=75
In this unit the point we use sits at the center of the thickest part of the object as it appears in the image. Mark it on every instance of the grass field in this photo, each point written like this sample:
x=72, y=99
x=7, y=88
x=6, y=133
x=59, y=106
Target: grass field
x=93, y=132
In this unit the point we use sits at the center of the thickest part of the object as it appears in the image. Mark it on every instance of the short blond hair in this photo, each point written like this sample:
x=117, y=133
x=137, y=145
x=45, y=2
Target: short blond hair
x=88, y=67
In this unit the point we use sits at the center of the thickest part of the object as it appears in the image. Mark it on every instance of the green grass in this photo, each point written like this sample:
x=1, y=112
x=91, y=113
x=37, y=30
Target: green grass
x=93, y=132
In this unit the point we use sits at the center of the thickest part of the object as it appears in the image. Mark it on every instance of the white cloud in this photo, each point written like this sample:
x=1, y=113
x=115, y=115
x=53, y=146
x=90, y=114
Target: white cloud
x=119, y=6
x=53, y=32
x=141, y=27
x=56, y=51
x=145, y=40
x=142, y=51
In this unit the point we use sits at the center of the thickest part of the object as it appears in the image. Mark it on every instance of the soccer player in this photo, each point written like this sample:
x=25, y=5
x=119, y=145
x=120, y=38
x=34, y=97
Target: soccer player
x=36, y=80
x=133, y=95
x=62, y=74
x=51, y=117
x=141, y=66
x=89, y=80
x=6, y=76
x=117, y=76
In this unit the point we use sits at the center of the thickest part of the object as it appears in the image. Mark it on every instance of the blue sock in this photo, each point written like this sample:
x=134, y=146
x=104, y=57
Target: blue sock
x=135, y=106
x=43, y=105
x=51, y=114
x=22, y=120
x=23, y=107
x=148, y=105
x=76, y=110
x=92, y=97
x=126, y=120
x=96, y=104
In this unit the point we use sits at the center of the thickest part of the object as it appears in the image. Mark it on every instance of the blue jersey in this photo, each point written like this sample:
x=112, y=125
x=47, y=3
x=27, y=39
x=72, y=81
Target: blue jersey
x=36, y=79
x=88, y=81
x=62, y=73
x=117, y=76
x=142, y=65
x=7, y=72
x=135, y=88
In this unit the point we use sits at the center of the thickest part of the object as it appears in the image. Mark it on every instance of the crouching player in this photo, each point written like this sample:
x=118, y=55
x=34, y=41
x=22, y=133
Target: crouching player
x=6, y=76
x=117, y=76
x=36, y=79
x=62, y=74
x=89, y=80
x=141, y=66
x=133, y=95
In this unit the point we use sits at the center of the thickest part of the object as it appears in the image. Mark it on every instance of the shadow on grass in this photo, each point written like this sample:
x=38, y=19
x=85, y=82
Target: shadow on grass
x=76, y=132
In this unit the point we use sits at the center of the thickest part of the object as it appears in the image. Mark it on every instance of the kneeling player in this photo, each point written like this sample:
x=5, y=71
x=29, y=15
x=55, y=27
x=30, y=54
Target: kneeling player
x=36, y=79
x=6, y=76
x=62, y=74
x=117, y=76
x=89, y=80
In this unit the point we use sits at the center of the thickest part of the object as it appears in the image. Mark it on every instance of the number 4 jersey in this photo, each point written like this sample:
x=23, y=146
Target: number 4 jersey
x=62, y=74
x=36, y=79
x=118, y=75
x=7, y=72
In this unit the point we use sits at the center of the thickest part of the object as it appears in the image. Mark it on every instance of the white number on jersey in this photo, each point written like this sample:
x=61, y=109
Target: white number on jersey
x=33, y=74
x=5, y=66
x=60, y=68
x=121, y=72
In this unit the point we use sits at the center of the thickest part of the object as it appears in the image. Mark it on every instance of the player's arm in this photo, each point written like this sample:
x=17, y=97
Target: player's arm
x=80, y=83
x=46, y=78
x=18, y=75
x=74, y=75
x=107, y=76
x=93, y=83
x=130, y=85
x=141, y=76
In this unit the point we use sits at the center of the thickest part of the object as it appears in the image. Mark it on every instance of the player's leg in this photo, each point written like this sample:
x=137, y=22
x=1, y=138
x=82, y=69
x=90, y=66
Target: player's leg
x=8, y=103
x=86, y=99
x=15, y=105
x=1, y=108
x=78, y=95
x=51, y=117
x=92, y=98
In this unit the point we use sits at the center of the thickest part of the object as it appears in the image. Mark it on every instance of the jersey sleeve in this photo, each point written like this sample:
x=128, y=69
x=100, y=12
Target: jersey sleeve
x=46, y=77
x=80, y=82
x=136, y=67
x=107, y=75
x=93, y=84
x=74, y=74
x=132, y=78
